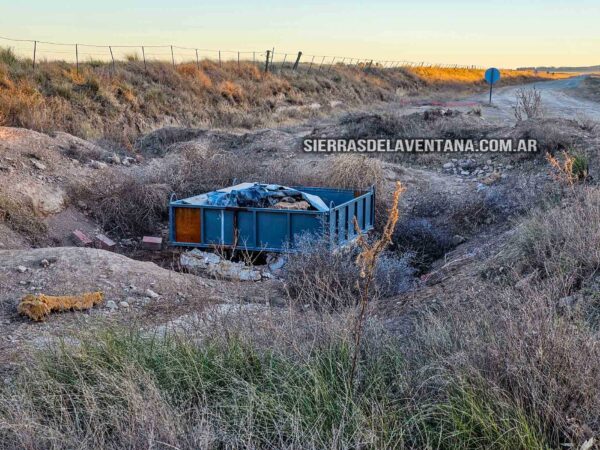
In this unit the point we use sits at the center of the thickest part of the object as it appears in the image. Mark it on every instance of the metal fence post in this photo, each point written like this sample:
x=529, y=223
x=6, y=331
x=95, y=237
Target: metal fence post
x=34, y=51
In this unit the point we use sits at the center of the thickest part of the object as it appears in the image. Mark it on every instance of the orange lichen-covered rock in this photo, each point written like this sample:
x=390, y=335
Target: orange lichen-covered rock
x=38, y=307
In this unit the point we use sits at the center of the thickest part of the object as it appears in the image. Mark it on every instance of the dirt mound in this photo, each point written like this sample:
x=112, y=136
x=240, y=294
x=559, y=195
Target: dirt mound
x=172, y=139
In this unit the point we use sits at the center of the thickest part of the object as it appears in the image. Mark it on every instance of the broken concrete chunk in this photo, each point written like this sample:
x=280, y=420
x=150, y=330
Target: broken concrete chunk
x=152, y=243
x=276, y=262
x=104, y=242
x=81, y=239
x=197, y=261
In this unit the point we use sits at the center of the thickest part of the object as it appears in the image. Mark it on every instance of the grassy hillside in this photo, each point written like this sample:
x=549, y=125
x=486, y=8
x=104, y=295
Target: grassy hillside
x=118, y=106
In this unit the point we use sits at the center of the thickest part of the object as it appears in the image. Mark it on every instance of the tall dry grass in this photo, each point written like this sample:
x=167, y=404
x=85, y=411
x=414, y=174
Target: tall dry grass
x=120, y=105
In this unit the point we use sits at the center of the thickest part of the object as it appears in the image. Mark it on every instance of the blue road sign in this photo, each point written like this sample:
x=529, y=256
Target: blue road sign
x=492, y=75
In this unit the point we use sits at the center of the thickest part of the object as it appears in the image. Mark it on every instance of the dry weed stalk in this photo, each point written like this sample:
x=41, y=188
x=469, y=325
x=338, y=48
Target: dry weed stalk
x=528, y=105
x=565, y=171
x=38, y=307
x=366, y=261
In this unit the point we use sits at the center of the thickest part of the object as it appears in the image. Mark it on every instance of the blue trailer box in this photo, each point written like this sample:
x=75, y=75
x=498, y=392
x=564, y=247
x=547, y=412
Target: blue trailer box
x=217, y=219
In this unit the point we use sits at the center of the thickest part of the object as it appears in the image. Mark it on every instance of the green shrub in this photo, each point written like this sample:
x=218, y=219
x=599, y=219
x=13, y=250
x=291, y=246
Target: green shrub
x=580, y=168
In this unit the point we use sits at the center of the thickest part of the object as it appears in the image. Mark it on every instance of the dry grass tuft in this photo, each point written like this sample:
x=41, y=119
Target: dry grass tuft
x=571, y=170
x=355, y=172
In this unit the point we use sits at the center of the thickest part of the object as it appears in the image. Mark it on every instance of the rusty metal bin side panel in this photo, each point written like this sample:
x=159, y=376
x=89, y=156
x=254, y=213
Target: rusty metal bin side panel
x=245, y=228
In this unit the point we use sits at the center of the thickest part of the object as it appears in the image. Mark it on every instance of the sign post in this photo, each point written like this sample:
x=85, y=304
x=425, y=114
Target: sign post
x=492, y=75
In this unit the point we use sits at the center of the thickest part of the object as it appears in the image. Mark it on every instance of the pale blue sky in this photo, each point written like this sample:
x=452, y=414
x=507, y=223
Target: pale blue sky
x=504, y=33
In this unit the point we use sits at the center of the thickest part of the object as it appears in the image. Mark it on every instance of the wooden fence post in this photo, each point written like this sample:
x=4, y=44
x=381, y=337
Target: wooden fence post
x=284, y=57
x=77, y=58
x=267, y=61
x=144, y=58
x=322, y=61
x=311, y=63
x=297, y=61
x=113, y=58
x=220, y=65
x=34, y=51
x=172, y=57
x=330, y=65
x=238, y=60
x=254, y=57
x=197, y=60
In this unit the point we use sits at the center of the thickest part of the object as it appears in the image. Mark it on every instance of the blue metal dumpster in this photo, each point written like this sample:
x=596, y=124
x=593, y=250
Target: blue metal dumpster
x=193, y=222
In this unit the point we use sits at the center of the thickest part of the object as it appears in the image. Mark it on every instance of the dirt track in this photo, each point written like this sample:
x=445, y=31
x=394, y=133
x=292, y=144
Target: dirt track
x=557, y=101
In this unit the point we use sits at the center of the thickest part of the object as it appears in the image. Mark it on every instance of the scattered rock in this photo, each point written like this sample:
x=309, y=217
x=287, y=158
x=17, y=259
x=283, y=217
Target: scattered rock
x=124, y=304
x=276, y=262
x=21, y=269
x=38, y=164
x=111, y=305
x=44, y=263
x=492, y=178
x=98, y=165
x=150, y=293
x=457, y=239
x=127, y=161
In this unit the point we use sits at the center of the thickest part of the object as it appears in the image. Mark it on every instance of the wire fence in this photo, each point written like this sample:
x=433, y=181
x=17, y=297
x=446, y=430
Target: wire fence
x=270, y=60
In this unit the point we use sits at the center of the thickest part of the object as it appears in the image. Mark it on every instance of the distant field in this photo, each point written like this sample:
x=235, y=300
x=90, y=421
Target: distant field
x=449, y=75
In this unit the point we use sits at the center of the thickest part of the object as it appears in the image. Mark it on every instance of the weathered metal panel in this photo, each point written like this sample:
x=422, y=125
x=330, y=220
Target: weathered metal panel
x=246, y=236
x=212, y=225
x=272, y=229
x=187, y=225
